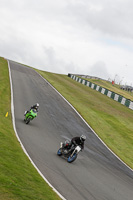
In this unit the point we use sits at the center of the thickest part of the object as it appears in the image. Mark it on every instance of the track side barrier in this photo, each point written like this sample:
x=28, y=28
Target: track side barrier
x=126, y=102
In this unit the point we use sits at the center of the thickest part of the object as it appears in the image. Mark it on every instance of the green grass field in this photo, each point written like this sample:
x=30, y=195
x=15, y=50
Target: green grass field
x=19, y=180
x=112, y=121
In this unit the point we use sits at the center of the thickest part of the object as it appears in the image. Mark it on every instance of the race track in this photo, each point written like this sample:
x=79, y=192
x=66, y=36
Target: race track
x=96, y=174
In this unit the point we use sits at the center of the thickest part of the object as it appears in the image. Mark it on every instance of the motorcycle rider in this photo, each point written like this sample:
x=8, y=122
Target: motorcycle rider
x=76, y=141
x=35, y=107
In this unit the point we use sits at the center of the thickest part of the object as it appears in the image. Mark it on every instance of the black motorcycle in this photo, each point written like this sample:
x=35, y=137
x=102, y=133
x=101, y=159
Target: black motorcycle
x=68, y=151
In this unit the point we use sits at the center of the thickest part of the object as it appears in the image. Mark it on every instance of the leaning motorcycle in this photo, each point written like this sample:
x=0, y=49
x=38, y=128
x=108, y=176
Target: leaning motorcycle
x=30, y=116
x=68, y=152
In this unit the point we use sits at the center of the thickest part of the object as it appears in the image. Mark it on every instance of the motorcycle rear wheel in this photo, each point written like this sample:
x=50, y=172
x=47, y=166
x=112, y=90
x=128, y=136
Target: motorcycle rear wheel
x=59, y=153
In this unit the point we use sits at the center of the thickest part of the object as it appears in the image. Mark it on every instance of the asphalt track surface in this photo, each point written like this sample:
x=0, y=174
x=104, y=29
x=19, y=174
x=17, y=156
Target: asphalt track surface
x=96, y=174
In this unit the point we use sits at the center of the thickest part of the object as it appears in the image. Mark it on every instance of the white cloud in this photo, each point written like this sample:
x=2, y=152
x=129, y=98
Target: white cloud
x=99, y=69
x=63, y=36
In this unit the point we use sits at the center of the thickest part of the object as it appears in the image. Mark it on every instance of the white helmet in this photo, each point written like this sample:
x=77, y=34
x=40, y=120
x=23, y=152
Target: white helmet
x=82, y=137
x=37, y=105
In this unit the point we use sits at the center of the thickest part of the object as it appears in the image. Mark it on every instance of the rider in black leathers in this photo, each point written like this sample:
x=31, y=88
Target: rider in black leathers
x=75, y=141
x=36, y=107
x=78, y=141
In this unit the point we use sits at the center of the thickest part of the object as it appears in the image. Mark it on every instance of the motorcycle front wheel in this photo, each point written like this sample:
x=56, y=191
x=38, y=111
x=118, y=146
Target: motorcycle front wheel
x=71, y=159
x=27, y=120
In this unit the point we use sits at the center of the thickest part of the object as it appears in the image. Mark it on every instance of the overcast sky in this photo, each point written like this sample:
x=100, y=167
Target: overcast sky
x=93, y=37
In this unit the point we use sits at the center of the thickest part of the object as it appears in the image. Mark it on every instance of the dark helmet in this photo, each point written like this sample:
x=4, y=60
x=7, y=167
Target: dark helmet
x=82, y=137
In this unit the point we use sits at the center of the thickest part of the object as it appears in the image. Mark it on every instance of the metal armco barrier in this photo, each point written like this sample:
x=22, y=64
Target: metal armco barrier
x=127, y=102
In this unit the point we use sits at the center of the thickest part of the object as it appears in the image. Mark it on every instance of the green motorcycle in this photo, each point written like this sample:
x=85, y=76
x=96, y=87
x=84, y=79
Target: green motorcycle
x=30, y=115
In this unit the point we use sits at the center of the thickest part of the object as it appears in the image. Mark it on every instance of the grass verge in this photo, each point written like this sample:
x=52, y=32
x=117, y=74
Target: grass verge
x=19, y=180
x=112, y=121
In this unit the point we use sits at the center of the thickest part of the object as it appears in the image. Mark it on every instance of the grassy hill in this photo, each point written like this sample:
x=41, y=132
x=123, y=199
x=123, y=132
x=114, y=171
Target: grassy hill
x=112, y=121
